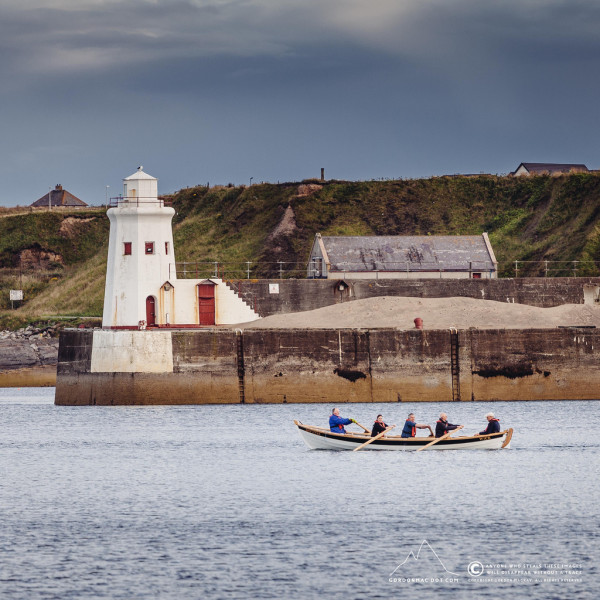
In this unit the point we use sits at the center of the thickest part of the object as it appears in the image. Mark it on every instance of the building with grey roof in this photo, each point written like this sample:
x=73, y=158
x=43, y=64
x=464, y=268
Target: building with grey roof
x=402, y=256
x=59, y=197
x=548, y=169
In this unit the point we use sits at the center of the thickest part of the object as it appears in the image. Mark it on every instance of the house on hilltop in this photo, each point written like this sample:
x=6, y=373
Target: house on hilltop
x=402, y=257
x=548, y=169
x=59, y=197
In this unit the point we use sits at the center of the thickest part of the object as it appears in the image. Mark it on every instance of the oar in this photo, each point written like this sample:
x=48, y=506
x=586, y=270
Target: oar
x=437, y=440
x=373, y=438
x=366, y=430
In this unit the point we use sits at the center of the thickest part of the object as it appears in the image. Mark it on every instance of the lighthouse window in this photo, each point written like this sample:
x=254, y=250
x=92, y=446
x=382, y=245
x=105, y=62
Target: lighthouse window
x=127, y=248
x=149, y=247
x=166, y=247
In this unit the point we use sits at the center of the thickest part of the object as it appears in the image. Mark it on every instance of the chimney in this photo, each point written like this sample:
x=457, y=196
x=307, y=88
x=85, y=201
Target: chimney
x=58, y=187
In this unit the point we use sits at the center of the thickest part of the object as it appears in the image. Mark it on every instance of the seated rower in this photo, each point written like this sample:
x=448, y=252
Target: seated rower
x=336, y=423
x=493, y=425
x=411, y=426
x=442, y=427
x=379, y=426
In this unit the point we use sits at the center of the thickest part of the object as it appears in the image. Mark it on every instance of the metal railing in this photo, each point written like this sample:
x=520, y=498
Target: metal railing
x=293, y=270
x=237, y=270
x=117, y=201
x=288, y=270
x=553, y=268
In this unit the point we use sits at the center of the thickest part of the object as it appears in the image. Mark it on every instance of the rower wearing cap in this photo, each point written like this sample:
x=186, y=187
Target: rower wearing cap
x=493, y=424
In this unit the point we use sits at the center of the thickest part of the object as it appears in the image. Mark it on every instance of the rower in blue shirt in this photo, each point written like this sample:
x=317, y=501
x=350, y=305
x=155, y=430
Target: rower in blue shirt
x=411, y=426
x=336, y=423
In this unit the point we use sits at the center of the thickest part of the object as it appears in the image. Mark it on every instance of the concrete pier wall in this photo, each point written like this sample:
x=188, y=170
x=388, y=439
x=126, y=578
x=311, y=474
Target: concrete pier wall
x=337, y=365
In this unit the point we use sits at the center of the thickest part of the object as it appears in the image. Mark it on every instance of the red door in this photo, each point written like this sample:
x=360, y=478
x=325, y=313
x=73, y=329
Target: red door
x=206, y=303
x=150, y=311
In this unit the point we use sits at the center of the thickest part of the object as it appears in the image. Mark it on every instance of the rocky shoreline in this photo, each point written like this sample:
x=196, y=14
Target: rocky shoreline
x=28, y=357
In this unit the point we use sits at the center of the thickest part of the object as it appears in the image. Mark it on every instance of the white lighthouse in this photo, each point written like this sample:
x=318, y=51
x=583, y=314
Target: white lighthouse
x=142, y=290
x=140, y=252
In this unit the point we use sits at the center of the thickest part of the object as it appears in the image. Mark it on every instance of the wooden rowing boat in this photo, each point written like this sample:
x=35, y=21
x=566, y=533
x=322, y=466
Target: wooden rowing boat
x=320, y=438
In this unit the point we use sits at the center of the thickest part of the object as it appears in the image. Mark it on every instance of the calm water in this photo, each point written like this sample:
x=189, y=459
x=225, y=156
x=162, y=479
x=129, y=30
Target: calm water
x=227, y=502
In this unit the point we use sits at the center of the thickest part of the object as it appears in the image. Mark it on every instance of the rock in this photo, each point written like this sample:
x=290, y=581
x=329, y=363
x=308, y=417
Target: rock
x=19, y=353
x=15, y=355
x=307, y=189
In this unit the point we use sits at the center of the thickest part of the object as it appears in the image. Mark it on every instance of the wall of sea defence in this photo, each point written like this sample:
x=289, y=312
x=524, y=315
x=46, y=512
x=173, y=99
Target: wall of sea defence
x=295, y=295
x=27, y=358
x=335, y=365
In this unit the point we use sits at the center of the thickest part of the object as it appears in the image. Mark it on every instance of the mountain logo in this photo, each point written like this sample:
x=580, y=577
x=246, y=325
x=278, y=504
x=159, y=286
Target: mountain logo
x=415, y=558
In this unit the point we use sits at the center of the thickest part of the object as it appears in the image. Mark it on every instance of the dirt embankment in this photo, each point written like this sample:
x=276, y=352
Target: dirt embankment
x=437, y=313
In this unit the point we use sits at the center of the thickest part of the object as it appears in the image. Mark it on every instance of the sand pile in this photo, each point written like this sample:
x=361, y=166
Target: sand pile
x=437, y=313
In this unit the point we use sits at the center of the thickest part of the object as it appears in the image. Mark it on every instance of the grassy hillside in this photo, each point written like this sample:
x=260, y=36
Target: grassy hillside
x=531, y=220
x=528, y=219
x=42, y=252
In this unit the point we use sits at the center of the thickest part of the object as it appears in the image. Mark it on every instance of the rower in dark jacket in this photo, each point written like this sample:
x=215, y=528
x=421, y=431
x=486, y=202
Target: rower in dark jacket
x=442, y=427
x=336, y=423
x=379, y=426
x=493, y=425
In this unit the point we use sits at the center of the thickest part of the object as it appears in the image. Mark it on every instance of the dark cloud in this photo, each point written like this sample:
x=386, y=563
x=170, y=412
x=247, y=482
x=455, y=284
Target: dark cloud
x=224, y=90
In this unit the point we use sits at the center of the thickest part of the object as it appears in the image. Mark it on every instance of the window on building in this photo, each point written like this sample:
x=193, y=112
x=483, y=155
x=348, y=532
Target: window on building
x=317, y=265
x=476, y=275
x=167, y=248
x=127, y=248
x=149, y=247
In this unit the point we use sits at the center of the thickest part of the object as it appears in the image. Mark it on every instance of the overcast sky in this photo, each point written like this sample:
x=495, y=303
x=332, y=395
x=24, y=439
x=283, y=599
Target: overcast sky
x=224, y=90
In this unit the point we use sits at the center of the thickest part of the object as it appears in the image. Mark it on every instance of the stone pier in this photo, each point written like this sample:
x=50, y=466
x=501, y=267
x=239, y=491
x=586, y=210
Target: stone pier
x=325, y=365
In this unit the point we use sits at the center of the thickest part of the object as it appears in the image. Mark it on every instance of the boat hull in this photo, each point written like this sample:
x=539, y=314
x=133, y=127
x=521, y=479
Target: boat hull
x=317, y=438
